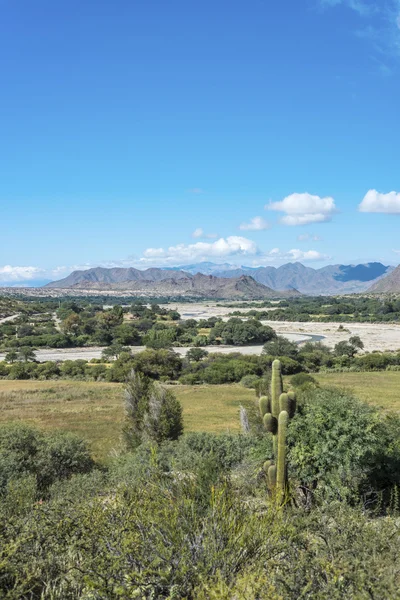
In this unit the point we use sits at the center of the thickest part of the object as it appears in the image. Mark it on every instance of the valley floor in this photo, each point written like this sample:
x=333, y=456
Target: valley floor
x=95, y=410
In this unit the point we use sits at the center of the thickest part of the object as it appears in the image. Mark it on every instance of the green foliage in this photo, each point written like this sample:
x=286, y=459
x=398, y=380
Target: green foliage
x=152, y=412
x=160, y=338
x=342, y=448
x=239, y=333
x=281, y=347
x=196, y=354
x=302, y=379
x=25, y=451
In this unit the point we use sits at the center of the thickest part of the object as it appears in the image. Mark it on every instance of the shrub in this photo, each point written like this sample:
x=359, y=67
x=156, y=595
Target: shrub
x=250, y=381
x=302, y=379
x=49, y=457
x=152, y=412
x=341, y=447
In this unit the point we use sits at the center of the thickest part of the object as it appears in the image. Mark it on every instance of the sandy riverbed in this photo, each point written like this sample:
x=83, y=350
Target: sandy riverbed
x=378, y=336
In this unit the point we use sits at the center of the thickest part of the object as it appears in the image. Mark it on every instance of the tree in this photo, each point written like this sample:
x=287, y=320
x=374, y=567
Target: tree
x=196, y=354
x=71, y=324
x=356, y=342
x=160, y=338
x=114, y=351
x=26, y=353
x=281, y=347
x=11, y=356
x=151, y=412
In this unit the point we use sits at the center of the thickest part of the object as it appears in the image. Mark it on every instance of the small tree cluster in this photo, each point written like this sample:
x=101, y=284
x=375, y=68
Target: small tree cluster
x=153, y=413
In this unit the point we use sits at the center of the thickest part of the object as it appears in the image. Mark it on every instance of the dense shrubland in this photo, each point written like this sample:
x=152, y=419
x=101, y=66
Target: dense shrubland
x=190, y=516
x=200, y=366
x=74, y=324
x=357, y=309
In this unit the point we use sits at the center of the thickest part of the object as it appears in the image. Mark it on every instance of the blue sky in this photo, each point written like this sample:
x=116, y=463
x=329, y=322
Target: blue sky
x=146, y=132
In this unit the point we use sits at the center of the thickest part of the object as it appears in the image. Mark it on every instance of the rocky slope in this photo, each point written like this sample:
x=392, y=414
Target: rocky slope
x=332, y=279
x=388, y=284
x=159, y=282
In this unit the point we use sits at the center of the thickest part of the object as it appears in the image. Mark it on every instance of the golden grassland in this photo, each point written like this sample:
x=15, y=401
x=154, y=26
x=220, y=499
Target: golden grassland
x=95, y=410
x=381, y=389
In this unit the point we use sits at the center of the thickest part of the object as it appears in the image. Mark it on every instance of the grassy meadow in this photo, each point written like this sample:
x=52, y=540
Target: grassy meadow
x=380, y=388
x=95, y=410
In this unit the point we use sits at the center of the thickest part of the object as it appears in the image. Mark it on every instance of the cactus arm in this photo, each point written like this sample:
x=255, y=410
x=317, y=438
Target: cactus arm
x=281, y=463
x=292, y=403
x=272, y=476
x=264, y=406
x=270, y=423
x=276, y=387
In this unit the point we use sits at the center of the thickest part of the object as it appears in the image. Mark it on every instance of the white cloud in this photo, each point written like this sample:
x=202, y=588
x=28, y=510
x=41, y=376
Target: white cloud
x=302, y=209
x=375, y=202
x=16, y=274
x=307, y=237
x=307, y=255
x=199, y=233
x=255, y=224
x=295, y=255
x=221, y=248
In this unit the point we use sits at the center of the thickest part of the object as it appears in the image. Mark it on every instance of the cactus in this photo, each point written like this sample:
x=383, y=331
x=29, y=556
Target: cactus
x=276, y=387
x=276, y=414
x=281, y=469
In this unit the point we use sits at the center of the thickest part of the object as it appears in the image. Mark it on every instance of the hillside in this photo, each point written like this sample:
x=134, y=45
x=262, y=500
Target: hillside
x=166, y=283
x=332, y=279
x=117, y=275
x=390, y=283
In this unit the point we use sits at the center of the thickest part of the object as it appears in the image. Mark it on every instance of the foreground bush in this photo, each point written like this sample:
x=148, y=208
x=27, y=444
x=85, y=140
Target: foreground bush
x=25, y=451
x=178, y=534
x=343, y=448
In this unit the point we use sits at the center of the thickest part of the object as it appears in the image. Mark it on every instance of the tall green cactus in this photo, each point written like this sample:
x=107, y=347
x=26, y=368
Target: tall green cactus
x=275, y=414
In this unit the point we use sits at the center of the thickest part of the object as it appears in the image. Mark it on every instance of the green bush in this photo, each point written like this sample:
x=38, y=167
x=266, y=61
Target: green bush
x=250, y=381
x=302, y=379
x=342, y=448
x=49, y=457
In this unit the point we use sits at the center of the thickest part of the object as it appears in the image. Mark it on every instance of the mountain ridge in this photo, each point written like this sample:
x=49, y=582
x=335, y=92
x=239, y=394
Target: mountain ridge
x=328, y=280
x=160, y=282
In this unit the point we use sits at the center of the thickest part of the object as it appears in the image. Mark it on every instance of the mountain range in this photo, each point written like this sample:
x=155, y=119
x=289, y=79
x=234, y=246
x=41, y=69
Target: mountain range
x=329, y=280
x=160, y=282
x=229, y=281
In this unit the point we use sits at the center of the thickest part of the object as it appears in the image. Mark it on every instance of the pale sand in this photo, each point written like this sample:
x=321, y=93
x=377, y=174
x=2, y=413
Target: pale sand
x=377, y=336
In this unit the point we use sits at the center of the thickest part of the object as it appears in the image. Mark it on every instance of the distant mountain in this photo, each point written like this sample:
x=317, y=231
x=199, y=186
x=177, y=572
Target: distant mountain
x=159, y=282
x=332, y=279
x=117, y=275
x=390, y=283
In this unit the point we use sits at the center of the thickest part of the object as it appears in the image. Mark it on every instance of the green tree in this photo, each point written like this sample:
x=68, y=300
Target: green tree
x=151, y=412
x=196, y=354
x=114, y=351
x=281, y=347
x=26, y=353
x=11, y=356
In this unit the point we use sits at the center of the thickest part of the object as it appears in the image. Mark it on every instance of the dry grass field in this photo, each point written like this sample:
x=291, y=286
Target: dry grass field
x=381, y=389
x=95, y=410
